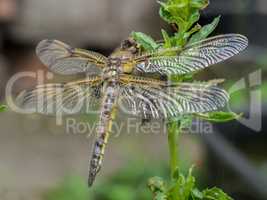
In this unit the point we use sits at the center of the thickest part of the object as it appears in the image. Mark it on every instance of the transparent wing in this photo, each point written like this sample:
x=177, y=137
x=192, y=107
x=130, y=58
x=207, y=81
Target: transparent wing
x=63, y=59
x=63, y=98
x=192, y=58
x=170, y=101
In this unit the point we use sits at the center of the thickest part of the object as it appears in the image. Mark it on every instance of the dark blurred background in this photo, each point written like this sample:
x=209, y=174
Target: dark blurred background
x=36, y=154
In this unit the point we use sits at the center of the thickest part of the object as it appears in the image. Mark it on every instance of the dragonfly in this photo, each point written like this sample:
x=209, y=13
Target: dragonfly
x=130, y=79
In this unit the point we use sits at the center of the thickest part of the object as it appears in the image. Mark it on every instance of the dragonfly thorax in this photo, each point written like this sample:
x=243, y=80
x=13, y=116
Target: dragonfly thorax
x=115, y=61
x=124, y=60
x=113, y=69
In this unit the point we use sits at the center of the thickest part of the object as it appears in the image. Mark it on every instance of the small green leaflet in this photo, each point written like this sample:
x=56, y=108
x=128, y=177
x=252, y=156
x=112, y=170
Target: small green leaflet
x=199, y=4
x=215, y=193
x=205, y=31
x=219, y=117
x=167, y=39
x=146, y=42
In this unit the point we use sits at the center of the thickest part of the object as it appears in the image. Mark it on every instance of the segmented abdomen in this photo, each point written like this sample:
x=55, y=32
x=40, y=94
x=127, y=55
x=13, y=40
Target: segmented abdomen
x=107, y=115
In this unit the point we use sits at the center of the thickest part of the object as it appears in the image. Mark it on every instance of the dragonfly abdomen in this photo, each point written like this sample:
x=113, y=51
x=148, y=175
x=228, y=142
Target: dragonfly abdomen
x=108, y=112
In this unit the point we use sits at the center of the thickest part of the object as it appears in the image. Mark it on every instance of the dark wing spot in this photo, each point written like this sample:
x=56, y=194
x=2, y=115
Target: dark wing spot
x=132, y=87
x=97, y=92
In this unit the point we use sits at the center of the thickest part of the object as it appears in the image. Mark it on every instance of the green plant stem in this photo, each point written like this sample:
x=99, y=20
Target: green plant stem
x=173, y=135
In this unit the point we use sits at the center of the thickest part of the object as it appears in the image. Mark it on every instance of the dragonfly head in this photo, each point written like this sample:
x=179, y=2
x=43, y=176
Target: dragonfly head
x=127, y=51
x=130, y=45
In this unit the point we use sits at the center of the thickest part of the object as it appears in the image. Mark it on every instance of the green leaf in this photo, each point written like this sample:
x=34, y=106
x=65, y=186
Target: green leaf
x=186, y=122
x=182, y=186
x=215, y=194
x=219, y=117
x=196, y=28
x=205, y=31
x=175, y=6
x=189, y=184
x=156, y=184
x=174, y=13
x=199, y=4
x=3, y=108
x=160, y=196
x=146, y=42
x=194, y=17
x=176, y=174
x=167, y=39
x=157, y=187
x=165, y=14
x=197, y=194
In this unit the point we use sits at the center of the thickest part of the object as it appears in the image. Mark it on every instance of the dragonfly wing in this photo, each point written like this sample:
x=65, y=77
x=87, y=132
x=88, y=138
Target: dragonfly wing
x=193, y=57
x=171, y=101
x=63, y=59
x=62, y=98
